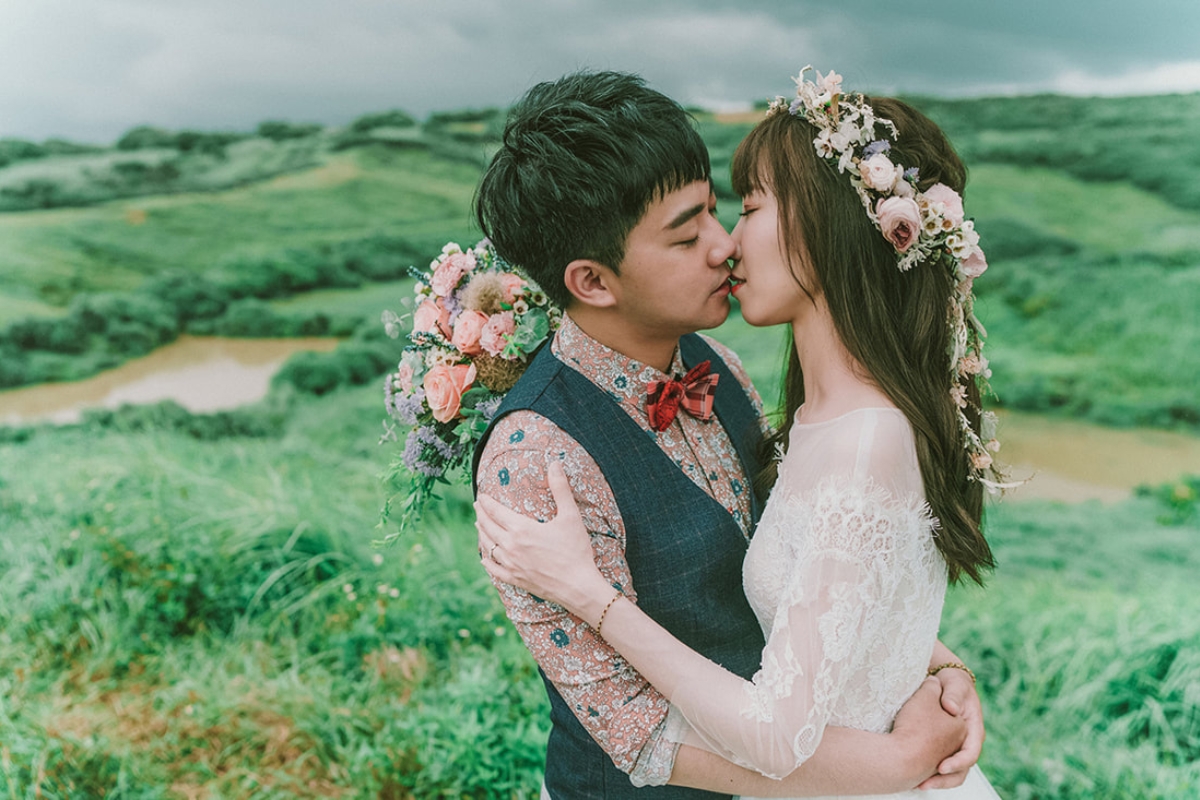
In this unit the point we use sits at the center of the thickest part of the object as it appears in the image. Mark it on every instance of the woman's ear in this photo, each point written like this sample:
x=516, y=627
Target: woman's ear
x=591, y=283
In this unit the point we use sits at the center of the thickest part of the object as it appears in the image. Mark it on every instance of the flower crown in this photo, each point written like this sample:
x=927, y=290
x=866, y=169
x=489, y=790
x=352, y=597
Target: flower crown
x=924, y=227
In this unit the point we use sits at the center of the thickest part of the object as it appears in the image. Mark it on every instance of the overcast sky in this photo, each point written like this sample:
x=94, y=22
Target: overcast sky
x=91, y=69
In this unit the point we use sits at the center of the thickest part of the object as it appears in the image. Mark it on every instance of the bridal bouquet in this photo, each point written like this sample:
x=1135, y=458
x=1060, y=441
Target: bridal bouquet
x=476, y=321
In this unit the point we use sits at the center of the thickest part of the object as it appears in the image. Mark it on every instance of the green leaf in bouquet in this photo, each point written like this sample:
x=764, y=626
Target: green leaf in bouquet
x=473, y=397
x=532, y=331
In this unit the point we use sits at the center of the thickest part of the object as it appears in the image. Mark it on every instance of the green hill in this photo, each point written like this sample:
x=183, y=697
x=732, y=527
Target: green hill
x=1087, y=207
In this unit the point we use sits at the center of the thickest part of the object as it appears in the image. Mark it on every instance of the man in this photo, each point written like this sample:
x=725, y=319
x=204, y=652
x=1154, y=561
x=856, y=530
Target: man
x=602, y=191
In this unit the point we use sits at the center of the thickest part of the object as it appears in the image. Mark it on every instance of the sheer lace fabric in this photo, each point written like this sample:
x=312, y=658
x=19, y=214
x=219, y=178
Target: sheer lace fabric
x=848, y=586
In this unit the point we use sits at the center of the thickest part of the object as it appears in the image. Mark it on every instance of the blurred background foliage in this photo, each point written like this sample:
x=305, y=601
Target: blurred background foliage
x=192, y=606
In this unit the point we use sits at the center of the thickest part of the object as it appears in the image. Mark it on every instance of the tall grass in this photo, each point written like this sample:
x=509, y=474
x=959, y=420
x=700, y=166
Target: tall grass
x=211, y=615
x=208, y=618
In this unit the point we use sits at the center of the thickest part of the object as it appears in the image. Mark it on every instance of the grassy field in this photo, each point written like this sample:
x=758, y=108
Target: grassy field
x=209, y=619
x=53, y=255
x=193, y=608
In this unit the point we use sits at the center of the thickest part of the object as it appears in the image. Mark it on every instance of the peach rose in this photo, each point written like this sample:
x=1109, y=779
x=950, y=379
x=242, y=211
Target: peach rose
x=444, y=387
x=512, y=284
x=467, y=329
x=900, y=221
x=952, y=206
x=449, y=272
x=498, y=326
x=431, y=316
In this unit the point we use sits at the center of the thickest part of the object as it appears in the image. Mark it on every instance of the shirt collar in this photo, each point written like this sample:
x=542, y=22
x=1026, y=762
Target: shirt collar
x=622, y=377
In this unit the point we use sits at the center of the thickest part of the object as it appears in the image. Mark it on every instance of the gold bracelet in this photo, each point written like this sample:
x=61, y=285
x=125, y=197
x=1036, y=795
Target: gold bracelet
x=951, y=665
x=604, y=613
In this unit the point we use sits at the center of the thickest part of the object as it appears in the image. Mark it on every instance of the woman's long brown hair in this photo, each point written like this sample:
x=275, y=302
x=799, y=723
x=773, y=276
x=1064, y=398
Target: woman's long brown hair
x=893, y=323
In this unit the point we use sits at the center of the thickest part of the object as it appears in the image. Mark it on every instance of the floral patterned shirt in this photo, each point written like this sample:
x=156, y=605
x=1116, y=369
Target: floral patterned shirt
x=621, y=711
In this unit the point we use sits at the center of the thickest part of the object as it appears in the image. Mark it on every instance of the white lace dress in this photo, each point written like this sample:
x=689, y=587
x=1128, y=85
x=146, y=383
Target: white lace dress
x=848, y=586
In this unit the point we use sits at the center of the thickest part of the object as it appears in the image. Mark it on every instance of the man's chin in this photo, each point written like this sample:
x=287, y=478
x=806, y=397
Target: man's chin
x=716, y=318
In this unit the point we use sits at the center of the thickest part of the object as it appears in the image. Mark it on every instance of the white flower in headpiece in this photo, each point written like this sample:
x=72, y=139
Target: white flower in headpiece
x=931, y=218
x=879, y=173
x=959, y=395
x=823, y=144
x=963, y=242
x=846, y=133
x=830, y=83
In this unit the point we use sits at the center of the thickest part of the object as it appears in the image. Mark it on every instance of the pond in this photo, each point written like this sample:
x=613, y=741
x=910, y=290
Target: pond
x=1073, y=461
x=201, y=373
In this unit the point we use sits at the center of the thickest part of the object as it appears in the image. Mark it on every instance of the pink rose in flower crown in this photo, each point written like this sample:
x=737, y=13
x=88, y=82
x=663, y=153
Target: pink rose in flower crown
x=981, y=461
x=952, y=205
x=449, y=272
x=900, y=221
x=498, y=326
x=444, y=387
x=431, y=317
x=467, y=330
x=974, y=264
x=512, y=284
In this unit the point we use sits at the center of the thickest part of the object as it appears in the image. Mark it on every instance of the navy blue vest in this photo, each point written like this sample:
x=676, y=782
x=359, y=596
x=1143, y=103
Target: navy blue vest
x=684, y=550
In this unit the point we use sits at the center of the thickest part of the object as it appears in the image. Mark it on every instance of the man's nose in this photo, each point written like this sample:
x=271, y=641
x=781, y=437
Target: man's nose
x=723, y=246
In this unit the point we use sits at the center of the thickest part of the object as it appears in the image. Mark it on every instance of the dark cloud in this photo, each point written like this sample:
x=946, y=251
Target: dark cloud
x=91, y=69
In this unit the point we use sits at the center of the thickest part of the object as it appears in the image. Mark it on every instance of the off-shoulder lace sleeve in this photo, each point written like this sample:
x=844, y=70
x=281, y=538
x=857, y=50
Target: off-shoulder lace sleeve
x=857, y=591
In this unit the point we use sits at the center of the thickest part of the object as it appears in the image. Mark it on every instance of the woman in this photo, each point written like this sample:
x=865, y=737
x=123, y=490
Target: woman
x=851, y=232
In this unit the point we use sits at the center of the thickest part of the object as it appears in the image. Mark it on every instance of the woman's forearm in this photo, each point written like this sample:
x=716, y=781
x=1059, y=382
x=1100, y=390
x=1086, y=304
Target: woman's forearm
x=651, y=649
x=846, y=762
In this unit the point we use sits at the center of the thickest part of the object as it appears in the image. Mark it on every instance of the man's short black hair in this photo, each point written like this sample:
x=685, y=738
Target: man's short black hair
x=582, y=159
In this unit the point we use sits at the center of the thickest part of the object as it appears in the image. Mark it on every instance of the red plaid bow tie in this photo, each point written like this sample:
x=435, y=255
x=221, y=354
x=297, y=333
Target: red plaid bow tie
x=694, y=393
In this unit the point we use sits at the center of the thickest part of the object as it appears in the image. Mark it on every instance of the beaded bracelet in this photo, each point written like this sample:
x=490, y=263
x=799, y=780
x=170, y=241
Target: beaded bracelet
x=604, y=613
x=951, y=665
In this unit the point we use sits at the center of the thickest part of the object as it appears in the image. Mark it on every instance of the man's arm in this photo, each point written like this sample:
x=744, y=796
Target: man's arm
x=615, y=705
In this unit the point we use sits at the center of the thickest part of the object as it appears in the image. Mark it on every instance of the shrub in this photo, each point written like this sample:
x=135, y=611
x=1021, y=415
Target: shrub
x=125, y=313
x=12, y=150
x=146, y=137
x=189, y=295
x=280, y=130
x=313, y=373
x=257, y=421
x=384, y=119
x=37, y=193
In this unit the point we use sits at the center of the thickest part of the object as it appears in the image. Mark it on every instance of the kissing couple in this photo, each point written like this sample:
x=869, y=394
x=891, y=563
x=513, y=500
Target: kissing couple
x=718, y=606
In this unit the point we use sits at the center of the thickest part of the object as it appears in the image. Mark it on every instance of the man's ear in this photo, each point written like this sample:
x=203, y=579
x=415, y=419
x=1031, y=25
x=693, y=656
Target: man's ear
x=591, y=282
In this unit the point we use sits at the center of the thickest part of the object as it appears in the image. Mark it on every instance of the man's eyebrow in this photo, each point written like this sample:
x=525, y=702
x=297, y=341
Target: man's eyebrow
x=686, y=216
